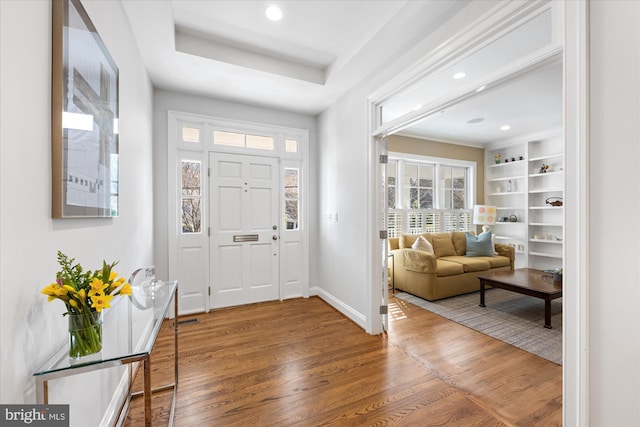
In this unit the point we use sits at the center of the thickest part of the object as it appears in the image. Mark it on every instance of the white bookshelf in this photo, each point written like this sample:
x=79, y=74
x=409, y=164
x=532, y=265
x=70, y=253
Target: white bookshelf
x=537, y=236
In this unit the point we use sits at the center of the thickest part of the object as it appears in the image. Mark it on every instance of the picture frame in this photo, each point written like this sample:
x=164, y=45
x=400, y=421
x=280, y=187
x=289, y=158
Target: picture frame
x=84, y=117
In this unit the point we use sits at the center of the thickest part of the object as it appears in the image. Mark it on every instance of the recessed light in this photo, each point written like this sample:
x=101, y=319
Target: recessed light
x=481, y=88
x=476, y=120
x=459, y=76
x=505, y=127
x=274, y=13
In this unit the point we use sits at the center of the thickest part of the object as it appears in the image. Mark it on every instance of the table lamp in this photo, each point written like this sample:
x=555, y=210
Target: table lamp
x=484, y=215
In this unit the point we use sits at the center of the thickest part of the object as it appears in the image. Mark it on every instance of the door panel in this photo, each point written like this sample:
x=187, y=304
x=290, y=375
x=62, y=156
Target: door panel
x=244, y=210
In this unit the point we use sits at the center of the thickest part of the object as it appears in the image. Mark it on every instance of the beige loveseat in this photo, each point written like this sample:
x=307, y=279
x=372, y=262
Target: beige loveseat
x=446, y=272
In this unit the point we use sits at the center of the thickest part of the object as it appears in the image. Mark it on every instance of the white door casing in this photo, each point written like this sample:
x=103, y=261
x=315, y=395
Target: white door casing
x=190, y=251
x=245, y=229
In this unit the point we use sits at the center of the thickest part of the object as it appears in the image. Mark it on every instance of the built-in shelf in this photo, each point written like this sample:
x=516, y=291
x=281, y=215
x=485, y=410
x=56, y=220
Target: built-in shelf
x=506, y=193
x=546, y=254
x=556, y=242
x=509, y=222
x=507, y=178
x=548, y=156
x=536, y=218
x=533, y=175
x=501, y=164
x=546, y=190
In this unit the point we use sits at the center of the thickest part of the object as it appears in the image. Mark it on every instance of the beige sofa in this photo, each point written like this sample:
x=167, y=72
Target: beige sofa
x=446, y=272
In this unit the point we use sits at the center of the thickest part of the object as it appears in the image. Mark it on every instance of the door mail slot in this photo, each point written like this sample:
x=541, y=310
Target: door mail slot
x=245, y=238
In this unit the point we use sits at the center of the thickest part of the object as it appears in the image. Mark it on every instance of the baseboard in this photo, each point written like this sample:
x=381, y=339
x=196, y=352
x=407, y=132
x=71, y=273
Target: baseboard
x=357, y=317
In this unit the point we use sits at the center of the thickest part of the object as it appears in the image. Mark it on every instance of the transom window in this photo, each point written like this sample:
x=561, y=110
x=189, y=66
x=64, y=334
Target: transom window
x=232, y=139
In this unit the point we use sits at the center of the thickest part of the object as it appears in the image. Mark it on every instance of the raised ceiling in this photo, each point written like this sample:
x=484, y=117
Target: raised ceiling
x=319, y=50
x=304, y=62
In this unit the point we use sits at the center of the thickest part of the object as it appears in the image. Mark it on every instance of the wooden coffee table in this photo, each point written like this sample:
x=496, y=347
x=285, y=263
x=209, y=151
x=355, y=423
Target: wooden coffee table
x=526, y=281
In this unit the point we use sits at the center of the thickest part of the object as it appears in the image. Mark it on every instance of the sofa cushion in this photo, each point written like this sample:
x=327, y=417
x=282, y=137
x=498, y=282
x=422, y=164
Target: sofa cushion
x=406, y=240
x=442, y=245
x=479, y=245
x=394, y=243
x=469, y=263
x=422, y=244
x=496, y=261
x=447, y=268
x=459, y=239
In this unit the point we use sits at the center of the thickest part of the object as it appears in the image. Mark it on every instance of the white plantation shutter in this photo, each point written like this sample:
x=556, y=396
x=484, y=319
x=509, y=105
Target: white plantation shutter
x=394, y=224
x=415, y=222
x=432, y=223
x=418, y=221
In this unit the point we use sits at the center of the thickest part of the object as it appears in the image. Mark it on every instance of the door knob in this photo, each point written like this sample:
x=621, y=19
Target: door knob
x=275, y=237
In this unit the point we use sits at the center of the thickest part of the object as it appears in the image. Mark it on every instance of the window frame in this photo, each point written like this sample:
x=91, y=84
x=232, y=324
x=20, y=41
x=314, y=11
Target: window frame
x=438, y=192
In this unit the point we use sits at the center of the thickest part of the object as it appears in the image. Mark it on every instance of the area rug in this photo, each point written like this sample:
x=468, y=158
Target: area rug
x=510, y=317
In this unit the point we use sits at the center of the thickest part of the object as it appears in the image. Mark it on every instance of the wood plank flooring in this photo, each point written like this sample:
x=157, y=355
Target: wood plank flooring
x=301, y=363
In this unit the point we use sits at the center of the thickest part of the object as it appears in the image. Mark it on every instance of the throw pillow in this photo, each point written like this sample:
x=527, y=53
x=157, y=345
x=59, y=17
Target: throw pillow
x=406, y=240
x=442, y=245
x=479, y=245
x=422, y=244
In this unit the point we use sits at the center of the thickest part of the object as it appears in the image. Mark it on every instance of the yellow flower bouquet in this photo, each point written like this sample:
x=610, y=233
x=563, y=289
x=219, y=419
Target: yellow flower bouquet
x=85, y=294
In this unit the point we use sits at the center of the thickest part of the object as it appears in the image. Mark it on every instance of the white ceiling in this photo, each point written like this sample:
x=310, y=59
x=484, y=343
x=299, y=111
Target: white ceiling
x=530, y=104
x=318, y=51
x=304, y=63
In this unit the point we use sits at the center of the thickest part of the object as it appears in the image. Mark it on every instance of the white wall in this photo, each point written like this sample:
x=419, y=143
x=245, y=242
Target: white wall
x=614, y=308
x=345, y=246
x=165, y=101
x=31, y=329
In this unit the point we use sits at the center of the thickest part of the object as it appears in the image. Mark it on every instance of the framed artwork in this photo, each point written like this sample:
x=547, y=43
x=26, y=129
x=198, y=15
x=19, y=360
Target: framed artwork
x=84, y=117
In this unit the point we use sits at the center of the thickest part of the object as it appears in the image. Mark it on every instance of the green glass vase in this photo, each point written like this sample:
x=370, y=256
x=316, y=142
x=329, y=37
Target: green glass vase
x=85, y=334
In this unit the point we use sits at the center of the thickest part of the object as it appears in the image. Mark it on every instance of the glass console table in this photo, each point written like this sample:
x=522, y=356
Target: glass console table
x=150, y=303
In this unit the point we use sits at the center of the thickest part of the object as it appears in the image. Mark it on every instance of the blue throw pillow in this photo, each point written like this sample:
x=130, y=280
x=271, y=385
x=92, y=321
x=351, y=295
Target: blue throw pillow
x=479, y=245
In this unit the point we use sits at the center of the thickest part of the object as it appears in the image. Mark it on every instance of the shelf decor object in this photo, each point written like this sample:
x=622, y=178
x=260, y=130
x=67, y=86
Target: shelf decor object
x=484, y=215
x=554, y=201
x=84, y=117
x=85, y=295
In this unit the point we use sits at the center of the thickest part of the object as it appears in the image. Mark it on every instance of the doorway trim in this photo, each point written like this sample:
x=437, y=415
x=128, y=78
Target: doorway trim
x=200, y=150
x=576, y=114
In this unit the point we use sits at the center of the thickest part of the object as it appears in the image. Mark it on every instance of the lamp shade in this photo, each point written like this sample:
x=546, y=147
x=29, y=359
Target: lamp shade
x=484, y=215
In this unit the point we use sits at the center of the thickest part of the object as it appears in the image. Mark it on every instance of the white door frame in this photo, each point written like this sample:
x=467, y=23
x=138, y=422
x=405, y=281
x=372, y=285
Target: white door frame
x=576, y=248
x=295, y=283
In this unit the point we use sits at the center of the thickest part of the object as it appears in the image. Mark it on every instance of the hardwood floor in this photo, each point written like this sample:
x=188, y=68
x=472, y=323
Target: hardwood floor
x=302, y=363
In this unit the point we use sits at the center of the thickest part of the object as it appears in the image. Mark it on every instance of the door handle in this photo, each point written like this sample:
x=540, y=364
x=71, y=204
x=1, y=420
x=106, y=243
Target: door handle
x=275, y=237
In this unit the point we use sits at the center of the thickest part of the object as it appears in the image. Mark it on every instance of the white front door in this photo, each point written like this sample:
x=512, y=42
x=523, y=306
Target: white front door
x=245, y=199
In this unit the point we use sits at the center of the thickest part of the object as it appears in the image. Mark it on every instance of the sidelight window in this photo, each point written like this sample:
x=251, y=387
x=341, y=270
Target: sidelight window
x=292, y=198
x=191, y=196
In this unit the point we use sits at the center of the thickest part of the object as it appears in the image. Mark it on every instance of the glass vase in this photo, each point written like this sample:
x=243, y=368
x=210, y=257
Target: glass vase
x=85, y=334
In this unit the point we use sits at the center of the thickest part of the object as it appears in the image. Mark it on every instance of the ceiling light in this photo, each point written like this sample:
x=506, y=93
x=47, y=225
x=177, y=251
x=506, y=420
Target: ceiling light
x=476, y=120
x=417, y=107
x=459, y=76
x=505, y=127
x=481, y=88
x=274, y=13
